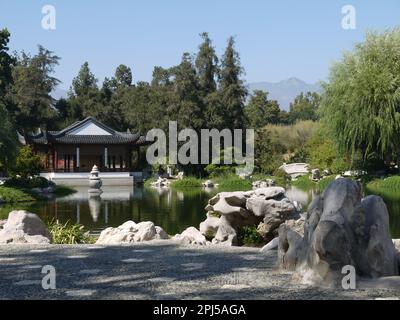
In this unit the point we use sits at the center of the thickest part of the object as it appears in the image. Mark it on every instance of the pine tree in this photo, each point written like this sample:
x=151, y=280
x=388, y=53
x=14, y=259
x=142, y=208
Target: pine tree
x=232, y=91
x=260, y=111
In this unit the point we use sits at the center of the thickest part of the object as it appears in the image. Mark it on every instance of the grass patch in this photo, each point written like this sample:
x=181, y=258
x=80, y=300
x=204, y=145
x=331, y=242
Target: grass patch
x=188, y=182
x=8, y=194
x=69, y=233
x=63, y=191
x=389, y=188
x=232, y=183
x=304, y=183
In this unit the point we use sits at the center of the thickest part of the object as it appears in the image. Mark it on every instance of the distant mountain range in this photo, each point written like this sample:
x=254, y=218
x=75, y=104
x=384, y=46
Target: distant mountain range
x=284, y=91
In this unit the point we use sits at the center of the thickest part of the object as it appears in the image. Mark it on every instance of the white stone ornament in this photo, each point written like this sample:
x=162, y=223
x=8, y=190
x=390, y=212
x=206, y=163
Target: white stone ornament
x=95, y=182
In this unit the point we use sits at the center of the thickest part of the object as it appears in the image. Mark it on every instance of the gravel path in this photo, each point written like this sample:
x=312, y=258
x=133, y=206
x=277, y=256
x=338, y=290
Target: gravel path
x=155, y=270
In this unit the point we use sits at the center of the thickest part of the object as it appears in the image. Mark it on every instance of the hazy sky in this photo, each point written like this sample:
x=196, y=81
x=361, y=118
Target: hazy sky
x=275, y=39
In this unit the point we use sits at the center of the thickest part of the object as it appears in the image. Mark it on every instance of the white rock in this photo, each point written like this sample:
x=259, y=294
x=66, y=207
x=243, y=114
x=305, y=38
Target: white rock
x=208, y=184
x=24, y=227
x=145, y=231
x=161, y=234
x=209, y=227
x=270, y=192
x=131, y=232
x=191, y=236
x=272, y=245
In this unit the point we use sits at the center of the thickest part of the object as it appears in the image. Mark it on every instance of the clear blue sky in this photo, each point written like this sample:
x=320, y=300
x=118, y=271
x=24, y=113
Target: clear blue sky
x=275, y=39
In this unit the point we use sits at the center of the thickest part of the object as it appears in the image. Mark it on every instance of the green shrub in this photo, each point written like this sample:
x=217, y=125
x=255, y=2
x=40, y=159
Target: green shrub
x=15, y=195
x=304, y=183
x=69, y=233
x=188, y=182
x=215, y=170
x=249, y=236
x=27, y=163
x=232, y=183
x=149, y=181
x=27, y=183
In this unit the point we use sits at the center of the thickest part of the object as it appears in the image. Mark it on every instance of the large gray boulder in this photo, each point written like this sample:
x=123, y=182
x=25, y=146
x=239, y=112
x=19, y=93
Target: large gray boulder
x=131, y=232
x=265, y=208
x=24, y=227
x=340, y=229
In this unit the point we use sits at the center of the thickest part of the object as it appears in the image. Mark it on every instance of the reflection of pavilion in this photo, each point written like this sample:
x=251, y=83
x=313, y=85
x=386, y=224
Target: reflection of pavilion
x=96, y=204
x=109, y=193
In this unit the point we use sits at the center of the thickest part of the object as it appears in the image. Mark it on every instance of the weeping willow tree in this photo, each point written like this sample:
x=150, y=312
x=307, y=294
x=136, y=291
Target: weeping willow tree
x=361, y=103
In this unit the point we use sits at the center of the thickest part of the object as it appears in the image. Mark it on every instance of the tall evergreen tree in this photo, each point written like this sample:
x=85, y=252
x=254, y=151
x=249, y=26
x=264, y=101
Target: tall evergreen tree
x=123, y=75
x=188, y=107
x=85, y=96
x=32, y=104
x=207, y=66
x=6, y=63
x=232, y=91
x=8, y=141
x=84, y=82
x=260, y=111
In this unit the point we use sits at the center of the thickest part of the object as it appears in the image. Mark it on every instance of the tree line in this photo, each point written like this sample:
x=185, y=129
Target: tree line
x=202, y=91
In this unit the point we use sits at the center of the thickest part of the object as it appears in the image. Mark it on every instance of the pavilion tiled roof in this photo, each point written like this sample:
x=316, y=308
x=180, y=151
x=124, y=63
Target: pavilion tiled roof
x=63, y=136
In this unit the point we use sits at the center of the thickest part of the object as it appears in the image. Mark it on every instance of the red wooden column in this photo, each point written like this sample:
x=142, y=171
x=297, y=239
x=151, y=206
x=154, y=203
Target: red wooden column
x=55, y=160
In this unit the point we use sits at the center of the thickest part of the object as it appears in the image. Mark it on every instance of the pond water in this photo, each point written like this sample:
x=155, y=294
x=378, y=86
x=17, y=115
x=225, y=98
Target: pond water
x=173, y=210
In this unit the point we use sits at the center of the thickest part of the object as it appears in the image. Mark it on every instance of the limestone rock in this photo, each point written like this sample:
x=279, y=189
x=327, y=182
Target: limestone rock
x=161, y=234
x=315, y=174
x=144, y=231
x=296, y=225
x=191, y=236
x=270, y=192
x=131, y=232
x=272, y=245
x=24, y=227
x=208, y=184
x=273, y=212
x=161, y=183
x=209, y=227
x=396, y=243
x=266, y=208
x=340, y=229
x=263, y=184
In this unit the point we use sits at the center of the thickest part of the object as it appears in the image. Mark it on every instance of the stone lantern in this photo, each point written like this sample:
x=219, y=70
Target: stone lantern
x=95, y=182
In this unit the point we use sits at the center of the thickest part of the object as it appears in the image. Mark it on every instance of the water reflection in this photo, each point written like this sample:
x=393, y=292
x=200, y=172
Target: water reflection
x=170, y=209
